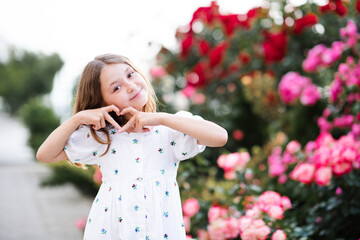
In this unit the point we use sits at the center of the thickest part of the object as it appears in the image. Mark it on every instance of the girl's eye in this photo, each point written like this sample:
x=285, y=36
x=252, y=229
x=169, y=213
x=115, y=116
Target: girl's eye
x=130, y=74
x=116, y=88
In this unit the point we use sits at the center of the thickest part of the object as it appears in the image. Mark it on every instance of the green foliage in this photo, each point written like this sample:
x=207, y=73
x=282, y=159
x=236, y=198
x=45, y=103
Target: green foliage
x=26, y=75
x=40, y=120
x=65, y=172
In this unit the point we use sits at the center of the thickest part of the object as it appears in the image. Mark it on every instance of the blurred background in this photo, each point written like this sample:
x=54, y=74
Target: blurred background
x=281, y=76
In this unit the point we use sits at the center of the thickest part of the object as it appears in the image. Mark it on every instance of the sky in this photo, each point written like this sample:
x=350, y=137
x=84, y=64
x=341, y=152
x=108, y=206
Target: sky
x=79, y=30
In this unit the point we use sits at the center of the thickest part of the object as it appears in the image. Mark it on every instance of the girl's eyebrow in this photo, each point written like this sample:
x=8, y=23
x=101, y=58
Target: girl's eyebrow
x=116, y=81
x=113, y=83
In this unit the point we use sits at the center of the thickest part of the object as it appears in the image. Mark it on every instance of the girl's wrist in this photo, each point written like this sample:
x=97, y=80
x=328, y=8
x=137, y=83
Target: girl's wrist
x=162, y=118
x=76, y=120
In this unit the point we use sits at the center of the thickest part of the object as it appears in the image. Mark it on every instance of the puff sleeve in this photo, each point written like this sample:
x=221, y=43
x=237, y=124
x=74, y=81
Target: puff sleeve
x=81, y=147
x=184, y=146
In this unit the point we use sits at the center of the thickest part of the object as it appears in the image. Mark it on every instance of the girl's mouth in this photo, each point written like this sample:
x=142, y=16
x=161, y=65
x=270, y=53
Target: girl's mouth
x=137, y=94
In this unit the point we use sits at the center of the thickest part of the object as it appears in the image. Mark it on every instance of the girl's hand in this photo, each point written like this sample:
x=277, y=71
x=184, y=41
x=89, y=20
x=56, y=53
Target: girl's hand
x=97, y=117
x=138, y=121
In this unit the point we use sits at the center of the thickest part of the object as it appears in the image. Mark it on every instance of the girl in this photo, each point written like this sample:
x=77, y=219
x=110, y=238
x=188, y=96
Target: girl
x=137, y=149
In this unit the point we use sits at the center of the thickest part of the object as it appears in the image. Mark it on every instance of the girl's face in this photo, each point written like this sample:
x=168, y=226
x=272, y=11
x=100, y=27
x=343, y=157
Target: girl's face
x=122, y=86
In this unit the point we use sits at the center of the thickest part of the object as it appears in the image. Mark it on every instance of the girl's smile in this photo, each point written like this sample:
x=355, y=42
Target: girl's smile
x=137, y=94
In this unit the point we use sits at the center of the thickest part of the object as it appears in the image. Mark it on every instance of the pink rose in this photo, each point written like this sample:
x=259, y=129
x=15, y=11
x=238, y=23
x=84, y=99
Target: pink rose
x=310, y=64
x=282, y=179
x=191, y=207
x=323, y=176
x=267, y=199
x=303, y=172
x=313, y=59
x=332, y=54
x=215, y=230
x=355, y=129
x=338, y=191
x=341, y=168
x=310, y=95
x=233, y=161
x=293, y=146
x=230, y=175
x=238, y=134
x=249, y=234
x=244, y=223
x=198, y=98
x=276, y=169
x=187, y=222
x=80, y=223
x=289, y=158
x=188, y=91
x=291, y=86
x=276, y=212
x=253, y=212
x=157, y=72
x=262, y=232
x=202, y=235
x=216, y=212
x=231, y=229
x=325, y=139
x=324, y=125
x=322, y=156
x=336, y=88
x=285, y=203
x=279, y=235
x=310, y=147
x=228, y=162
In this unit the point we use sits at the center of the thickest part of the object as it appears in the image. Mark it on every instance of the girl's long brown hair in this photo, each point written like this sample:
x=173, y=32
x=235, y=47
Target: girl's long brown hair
x=89, y=90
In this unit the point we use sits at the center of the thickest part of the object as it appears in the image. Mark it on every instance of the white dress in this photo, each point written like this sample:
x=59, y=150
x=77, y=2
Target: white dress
x=139, y=196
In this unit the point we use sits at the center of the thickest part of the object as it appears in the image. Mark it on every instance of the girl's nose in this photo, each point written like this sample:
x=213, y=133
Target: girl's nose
x=130, y=87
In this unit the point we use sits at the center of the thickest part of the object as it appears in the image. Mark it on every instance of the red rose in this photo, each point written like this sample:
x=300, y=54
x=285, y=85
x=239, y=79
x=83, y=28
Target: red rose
x=308, y=20
x=230, y=22
x=206, y=14
x=244, y=58
x=197, y=77
x=216, y=54
x=340, y=8
x=204, y=47
x=252, y=12
x=186, y=45
x=336, y=6
x=357, y=6
x=274, y=46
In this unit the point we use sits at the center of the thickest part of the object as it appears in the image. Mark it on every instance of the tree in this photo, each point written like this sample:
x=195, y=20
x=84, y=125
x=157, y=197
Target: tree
x=26, y=75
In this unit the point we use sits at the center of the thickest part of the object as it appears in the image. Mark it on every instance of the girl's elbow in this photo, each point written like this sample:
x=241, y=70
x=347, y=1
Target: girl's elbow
x=222, y=138
x=41, y=157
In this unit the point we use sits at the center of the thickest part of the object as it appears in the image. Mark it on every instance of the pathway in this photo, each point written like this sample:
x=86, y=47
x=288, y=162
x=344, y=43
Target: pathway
x=27, y=210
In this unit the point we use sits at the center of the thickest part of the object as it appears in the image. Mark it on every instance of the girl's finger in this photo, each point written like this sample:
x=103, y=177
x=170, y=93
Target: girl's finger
x=128, y=125
x=112, y=121
x=102, y=122
x=130, y=110
x=112, y=108
x=97, y=125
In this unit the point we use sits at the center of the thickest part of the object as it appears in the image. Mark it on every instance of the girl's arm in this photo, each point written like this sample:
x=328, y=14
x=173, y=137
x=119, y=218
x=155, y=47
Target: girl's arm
x=52, y=149
x=207, y=133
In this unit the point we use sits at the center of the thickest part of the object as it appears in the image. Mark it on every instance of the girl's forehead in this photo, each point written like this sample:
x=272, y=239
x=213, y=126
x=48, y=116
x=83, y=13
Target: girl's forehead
x=114, y=70
x=116, y=67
